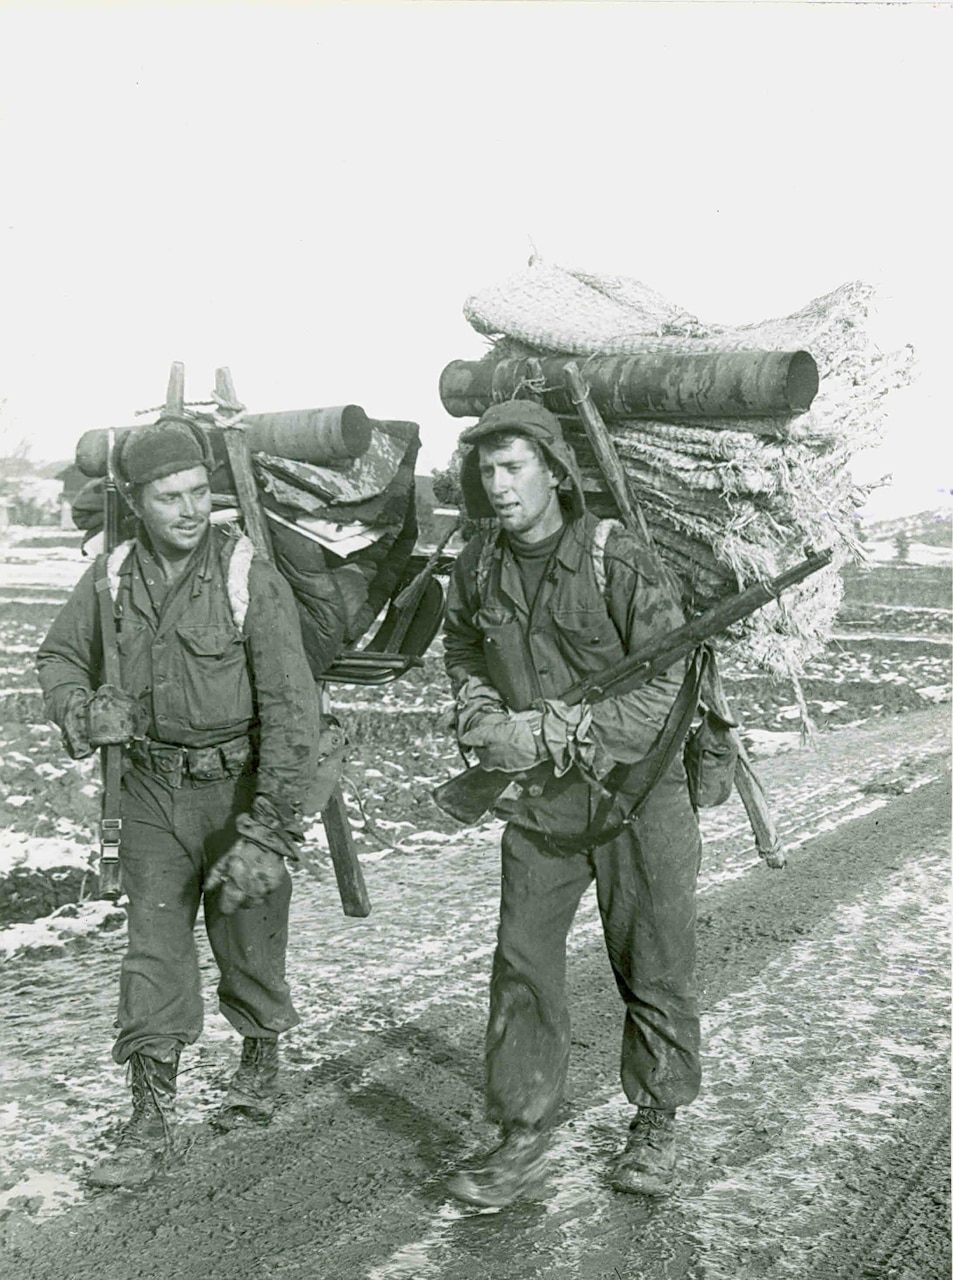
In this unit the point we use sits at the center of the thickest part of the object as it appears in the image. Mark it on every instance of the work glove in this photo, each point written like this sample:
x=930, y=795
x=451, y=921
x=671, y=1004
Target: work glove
x=569, y=739
x=75, y=726
x=246, y=875
x=505, y=740
x=112, y=716
x=105, y=718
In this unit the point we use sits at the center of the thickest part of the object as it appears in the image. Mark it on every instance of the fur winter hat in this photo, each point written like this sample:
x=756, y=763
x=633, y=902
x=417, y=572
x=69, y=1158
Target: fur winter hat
x=169, y=445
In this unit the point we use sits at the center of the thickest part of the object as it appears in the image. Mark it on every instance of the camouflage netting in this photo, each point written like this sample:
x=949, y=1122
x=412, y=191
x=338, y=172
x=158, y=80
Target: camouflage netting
x=728, y=502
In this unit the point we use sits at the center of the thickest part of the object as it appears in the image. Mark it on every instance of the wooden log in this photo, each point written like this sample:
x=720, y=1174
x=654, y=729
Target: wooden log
x=758, y=389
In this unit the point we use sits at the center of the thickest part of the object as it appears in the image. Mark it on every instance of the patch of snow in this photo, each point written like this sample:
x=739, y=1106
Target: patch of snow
x=762, y=742
x=57, y=1191
x=50, y=771
x=65, y=925
x=19, y=801
x=34, y=854
x=935, y=693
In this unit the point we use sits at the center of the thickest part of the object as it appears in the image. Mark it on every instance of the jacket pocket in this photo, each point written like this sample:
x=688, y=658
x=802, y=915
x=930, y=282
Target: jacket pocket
x=210, y=641
x=587, y=638
x=508, y=664
x=214, y=684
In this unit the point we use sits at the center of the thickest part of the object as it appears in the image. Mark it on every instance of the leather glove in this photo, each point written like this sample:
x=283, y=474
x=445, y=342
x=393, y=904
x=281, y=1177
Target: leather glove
x=246, y=875
x=112, y=716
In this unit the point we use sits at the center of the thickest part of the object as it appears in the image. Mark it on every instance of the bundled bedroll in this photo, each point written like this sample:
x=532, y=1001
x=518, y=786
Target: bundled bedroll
x=736, y=441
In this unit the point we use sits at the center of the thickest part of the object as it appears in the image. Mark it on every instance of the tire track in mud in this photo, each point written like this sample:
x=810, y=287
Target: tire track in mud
x=389, y=1069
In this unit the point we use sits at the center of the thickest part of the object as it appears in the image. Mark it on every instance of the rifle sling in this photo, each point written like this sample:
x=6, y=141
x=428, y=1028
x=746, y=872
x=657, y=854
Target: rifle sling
x=111, y=755
x=628, y=786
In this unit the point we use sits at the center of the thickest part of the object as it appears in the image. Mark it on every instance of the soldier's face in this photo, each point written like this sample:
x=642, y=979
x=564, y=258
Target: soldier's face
x=521, y=488
x=175, y=511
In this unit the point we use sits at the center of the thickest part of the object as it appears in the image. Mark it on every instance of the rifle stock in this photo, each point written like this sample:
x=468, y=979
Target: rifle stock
x=471, y=794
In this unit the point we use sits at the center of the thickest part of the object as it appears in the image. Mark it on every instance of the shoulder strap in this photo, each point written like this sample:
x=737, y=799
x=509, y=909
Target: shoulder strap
x=106, y=582
x=485, y=564
x=238, y=557
x=600, y=537
x=109, y=567
x=629, y=785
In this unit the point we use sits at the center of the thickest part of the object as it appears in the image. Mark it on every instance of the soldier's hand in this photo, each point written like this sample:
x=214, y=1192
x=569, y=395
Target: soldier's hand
x=246, y=874
x=506, y=740
x=75, y=726
x=112, y=716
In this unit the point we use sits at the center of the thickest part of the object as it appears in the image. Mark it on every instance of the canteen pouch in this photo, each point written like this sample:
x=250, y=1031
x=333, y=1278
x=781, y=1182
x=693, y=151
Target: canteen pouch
x=711, y=755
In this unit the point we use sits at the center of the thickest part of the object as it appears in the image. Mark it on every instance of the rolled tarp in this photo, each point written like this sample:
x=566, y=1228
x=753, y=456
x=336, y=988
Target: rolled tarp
x=662, y=385
x=323, y=437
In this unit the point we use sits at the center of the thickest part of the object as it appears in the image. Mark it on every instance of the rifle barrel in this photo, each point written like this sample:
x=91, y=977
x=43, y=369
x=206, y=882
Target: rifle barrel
x=687, y=637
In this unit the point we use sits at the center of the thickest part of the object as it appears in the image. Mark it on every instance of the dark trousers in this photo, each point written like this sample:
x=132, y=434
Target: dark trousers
x=170, y=840
x=645, y=884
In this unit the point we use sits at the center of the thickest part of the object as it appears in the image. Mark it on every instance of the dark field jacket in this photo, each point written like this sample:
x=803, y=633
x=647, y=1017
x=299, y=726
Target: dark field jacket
x=200, y=679
x=574, y=629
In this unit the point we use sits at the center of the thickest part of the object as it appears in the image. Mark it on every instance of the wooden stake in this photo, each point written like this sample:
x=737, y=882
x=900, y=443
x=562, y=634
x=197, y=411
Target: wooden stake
x=175, y=395
x=747, y=783
x=604, y=449
x=347, y=868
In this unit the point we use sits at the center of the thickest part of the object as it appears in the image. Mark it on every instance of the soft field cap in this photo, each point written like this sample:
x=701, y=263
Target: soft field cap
x=526, y=416
x=536, y=423
x=160, y=450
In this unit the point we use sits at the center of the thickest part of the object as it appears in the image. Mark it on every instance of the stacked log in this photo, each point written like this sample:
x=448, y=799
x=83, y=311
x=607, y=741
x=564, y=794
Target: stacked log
x=736, y=441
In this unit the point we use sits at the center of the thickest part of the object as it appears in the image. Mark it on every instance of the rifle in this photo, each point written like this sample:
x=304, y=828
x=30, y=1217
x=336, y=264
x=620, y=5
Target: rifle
x=471, y=794
x=110, y=825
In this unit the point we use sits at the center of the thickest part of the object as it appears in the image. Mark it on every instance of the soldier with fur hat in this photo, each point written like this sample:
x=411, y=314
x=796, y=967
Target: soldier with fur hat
x=217, y=715
x=527, y=616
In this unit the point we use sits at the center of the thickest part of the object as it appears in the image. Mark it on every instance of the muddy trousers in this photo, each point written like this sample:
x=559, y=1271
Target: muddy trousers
x=170, y=840
x=645, y=885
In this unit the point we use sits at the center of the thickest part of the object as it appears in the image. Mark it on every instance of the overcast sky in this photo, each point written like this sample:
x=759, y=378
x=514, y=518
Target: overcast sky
x=307, y=192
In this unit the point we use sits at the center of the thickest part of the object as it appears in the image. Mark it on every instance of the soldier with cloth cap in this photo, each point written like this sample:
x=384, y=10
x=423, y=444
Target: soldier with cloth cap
x=528, y=615
x=218, y=715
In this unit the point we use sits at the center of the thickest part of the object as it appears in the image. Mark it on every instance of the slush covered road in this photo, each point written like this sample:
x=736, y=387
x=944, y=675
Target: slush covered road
x=825, y=992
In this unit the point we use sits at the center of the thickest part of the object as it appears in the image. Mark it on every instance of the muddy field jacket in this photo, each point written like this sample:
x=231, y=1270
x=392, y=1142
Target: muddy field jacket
x=200, y=677
x=575, y=628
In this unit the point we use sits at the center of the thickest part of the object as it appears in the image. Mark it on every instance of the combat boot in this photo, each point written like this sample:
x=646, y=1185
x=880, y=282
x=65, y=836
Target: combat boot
x=517, y=1167
x=646, y=1166
x=253, y=1089
x=147, y=1135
